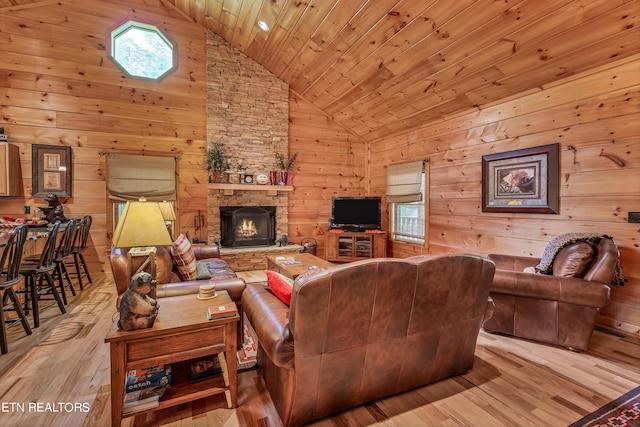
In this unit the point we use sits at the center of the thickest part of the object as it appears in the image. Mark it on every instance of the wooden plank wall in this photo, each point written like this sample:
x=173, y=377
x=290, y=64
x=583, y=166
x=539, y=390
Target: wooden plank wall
x=595, y=116
x=330, y=163
x=59, y=87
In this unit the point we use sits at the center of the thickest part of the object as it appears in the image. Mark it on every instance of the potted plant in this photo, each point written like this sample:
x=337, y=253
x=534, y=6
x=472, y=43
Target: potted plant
x=284, y=164
x=216, y=162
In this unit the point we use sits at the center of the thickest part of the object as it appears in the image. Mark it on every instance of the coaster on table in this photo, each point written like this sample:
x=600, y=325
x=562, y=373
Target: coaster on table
x=207, y=292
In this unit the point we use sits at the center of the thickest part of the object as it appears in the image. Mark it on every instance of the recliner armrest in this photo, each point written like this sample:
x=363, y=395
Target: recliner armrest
x=270, y=320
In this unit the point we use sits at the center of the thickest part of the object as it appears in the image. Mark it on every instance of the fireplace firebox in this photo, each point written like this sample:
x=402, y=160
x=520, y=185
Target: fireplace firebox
x=247, y=226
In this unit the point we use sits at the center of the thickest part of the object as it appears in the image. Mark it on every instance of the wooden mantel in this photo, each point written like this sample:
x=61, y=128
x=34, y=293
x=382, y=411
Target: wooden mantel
x=228, y=189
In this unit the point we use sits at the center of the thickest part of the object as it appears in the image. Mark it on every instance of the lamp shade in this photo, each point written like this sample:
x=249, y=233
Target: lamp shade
x=141, y=224
x=167, y=211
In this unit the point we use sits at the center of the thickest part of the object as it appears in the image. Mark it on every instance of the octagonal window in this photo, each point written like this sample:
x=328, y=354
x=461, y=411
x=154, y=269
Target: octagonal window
x=142, y=50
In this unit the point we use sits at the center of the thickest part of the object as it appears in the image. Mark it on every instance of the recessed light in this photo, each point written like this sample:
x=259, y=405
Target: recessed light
x=263, y=26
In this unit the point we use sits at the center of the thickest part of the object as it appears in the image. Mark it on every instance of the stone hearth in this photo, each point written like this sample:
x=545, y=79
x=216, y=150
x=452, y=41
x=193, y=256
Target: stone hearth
x=248, y=259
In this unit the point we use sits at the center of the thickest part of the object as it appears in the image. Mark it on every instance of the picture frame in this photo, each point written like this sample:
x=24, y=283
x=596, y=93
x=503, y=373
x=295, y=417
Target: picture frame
x=521, y=181
x=51, y=170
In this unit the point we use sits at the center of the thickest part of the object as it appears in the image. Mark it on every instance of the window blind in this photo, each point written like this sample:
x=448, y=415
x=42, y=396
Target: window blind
x=403, y=182
x=132, y=176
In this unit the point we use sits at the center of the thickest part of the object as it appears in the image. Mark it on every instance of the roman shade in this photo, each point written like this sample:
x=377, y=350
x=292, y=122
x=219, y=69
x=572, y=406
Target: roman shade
x=132, y=176
x=403, y=182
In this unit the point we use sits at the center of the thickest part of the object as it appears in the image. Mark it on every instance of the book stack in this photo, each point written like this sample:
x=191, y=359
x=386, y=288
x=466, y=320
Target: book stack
x=141, y=400
x=221, y=311
x=145, y=387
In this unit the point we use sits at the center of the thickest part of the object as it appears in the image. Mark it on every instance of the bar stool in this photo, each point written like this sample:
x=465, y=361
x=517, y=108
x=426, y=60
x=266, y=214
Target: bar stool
x=63, y=253
x=79, y=246
x=9, y=276
x=39, y=284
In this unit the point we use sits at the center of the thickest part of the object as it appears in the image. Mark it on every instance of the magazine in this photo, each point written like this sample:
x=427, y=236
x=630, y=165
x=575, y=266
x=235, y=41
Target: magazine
x=205, y=368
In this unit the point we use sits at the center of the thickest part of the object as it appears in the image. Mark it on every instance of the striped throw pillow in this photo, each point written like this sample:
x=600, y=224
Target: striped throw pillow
x=184, y=258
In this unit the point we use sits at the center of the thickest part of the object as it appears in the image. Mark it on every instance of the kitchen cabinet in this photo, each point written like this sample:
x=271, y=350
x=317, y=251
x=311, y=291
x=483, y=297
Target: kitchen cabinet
x=9, y=170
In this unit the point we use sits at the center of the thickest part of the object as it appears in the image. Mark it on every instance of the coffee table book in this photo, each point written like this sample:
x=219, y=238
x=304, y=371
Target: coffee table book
x=151, y=377
x=141, y=400
x=220, y=311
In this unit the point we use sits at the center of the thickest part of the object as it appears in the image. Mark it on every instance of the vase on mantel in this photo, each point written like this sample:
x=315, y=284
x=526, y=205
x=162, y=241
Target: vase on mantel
x=283, y=178
x=217, y=176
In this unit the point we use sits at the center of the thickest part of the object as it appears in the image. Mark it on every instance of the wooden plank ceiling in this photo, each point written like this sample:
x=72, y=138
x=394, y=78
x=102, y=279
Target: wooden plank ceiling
x=385, y=66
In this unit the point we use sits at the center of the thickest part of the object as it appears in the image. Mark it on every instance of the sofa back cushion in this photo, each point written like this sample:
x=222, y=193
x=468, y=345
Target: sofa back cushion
x=573, y=260
x=184, y=258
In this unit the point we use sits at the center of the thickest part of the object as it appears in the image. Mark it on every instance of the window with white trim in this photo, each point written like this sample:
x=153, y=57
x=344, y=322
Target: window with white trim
x=408, y=219
x=130, y=177
x=142, y=50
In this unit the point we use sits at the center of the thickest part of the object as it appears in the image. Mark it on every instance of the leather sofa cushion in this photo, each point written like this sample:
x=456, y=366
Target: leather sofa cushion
x=219, y=269
x=573, y=260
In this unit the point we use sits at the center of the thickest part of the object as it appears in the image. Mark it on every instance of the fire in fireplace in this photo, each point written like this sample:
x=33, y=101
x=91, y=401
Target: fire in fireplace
x=247, y=226
x=247, y=229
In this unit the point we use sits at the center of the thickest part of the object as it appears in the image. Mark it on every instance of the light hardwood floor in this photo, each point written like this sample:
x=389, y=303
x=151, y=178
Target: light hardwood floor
x=513, y=382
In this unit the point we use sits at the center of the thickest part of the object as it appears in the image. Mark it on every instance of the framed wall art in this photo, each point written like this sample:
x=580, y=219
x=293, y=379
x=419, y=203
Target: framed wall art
x=51, y=170
x=521, y=181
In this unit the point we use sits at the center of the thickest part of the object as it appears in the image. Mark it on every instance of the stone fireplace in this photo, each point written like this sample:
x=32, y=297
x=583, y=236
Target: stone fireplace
x=245, y=226
x=220, y=201
x=248, y=114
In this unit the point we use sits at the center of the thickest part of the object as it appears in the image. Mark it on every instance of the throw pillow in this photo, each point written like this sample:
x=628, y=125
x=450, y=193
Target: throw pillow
x=280, y=285
x=573, y=260
x=185, y=259
x=202, y=271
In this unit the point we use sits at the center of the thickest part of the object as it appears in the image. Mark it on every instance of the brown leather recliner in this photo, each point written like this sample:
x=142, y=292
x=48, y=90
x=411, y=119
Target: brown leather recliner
x=369, y=329
x=559, y=308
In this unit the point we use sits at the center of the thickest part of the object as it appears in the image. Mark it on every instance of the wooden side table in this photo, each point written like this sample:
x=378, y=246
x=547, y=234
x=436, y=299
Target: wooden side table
x=181, y=333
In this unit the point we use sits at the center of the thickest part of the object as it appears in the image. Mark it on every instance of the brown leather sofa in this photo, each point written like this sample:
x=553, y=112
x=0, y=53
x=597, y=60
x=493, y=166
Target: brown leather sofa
x=361, y=331
x=559, y=308
x=168, y=279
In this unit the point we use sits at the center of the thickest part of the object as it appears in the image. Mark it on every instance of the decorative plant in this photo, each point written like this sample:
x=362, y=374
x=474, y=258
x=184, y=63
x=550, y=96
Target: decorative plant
x=215, y=157
x=283, y=163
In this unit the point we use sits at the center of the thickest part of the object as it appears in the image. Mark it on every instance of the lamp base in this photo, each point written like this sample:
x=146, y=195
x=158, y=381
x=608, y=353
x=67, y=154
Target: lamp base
x=147, y=264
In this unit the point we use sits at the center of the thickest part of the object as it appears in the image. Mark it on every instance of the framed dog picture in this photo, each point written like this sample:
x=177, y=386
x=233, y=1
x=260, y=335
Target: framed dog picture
x=51, y=170
x=521, y=181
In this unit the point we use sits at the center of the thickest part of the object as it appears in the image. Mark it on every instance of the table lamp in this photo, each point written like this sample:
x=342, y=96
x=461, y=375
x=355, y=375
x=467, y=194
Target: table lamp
x=141, y=228
x=168, y=214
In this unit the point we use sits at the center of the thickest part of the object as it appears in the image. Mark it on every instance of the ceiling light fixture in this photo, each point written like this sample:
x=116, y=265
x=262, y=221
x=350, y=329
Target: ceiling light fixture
x=263, y=26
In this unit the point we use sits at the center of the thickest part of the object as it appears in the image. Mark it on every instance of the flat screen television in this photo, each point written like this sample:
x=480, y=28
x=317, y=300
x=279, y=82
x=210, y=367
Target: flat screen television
x=356, y=213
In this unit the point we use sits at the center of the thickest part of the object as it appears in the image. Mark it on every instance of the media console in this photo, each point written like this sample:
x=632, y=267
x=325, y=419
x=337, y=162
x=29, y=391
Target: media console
x=346, y=246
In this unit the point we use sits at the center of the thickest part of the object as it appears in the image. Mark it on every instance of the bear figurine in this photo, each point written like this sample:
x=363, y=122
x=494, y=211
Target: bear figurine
x=54, y=211
x=137, y=309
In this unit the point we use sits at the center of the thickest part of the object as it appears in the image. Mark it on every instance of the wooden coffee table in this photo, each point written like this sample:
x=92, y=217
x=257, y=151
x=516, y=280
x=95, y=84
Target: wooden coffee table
x=181, y=333
x=284, y=265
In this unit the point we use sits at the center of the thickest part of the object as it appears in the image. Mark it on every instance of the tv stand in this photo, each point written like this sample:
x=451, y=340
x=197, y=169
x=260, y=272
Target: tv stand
x=347, y=246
